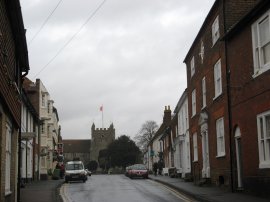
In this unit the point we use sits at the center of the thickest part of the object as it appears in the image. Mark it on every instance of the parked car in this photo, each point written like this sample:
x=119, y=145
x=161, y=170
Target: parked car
x=88, y=172
x=127, y=170
x=75, y=171
x=138, y=170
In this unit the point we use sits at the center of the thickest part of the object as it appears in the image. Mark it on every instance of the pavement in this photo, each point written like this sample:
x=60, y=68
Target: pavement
x=205, y=193
x=42, y=191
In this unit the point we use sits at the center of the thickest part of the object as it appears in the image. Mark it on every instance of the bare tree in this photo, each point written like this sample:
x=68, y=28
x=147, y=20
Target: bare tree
x=146, y=133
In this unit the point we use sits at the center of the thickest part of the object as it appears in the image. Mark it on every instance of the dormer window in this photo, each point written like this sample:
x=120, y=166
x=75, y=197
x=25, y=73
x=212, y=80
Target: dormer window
x=215, y=31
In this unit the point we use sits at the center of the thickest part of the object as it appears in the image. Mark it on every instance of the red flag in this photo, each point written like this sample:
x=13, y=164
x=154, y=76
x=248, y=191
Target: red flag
x=101, y=108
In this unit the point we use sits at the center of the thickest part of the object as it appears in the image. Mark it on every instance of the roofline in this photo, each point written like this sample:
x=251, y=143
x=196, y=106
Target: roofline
x=263, y=5
x=18, y=30
x=200, y=31
x=181, y=101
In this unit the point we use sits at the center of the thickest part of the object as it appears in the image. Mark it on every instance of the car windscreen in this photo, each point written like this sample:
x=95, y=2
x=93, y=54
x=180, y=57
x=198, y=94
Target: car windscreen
x=74, y=166
x=139, y=167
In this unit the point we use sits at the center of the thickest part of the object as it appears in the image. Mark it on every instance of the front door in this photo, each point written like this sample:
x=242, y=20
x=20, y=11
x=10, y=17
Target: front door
x=205, y=152
x=238, y=149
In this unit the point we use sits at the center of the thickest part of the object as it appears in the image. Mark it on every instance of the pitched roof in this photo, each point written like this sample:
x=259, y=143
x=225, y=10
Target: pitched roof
x=76, y=146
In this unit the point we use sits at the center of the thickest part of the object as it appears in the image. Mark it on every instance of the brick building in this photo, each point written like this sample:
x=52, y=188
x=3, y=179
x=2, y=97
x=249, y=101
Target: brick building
x=13, y=67
x=209, y=95
x=248, y=58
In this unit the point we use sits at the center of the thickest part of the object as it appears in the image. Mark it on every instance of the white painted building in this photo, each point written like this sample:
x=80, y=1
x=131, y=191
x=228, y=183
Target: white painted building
x=29, y=163
x=153, y=150
x=182, y=142
x=49, y=129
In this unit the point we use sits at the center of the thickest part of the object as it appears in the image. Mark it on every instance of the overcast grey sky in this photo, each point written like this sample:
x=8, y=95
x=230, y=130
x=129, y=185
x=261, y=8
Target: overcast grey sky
x=128, y=58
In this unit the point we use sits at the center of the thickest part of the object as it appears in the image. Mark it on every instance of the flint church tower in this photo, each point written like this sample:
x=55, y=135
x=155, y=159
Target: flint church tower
x=101, y=138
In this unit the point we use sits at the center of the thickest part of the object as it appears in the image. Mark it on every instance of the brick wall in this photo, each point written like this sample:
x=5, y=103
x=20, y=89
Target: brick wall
x=9, y=70
x=250, y=97
x=215, y=108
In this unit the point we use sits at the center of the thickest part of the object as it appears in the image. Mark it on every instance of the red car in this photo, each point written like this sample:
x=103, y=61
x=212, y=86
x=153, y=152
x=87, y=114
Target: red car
x=138, y=170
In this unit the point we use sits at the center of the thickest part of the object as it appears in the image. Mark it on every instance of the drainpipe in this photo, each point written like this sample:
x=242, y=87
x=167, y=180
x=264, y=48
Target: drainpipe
x=19, y=145
x=228, y=81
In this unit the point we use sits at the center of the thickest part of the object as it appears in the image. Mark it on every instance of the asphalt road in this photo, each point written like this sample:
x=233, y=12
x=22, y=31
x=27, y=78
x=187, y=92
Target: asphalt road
x=118, y=188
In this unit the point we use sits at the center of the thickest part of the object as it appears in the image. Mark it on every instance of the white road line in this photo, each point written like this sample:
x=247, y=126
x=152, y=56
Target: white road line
x=174, y=192
x=63, y=193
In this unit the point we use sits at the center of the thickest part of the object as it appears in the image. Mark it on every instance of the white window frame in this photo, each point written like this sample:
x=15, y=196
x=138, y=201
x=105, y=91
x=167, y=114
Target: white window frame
x=193, y=104
x=8, y=159
x=260, y=65
x=220, y=137
x=217, y=79
x=263, y=141
x=195, y=147
x=201, y=54
x=215, y=31
x=192, y=67
x=203, y=93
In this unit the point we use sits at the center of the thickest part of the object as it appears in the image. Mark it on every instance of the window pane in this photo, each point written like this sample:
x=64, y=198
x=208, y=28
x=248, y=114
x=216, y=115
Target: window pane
x=264, y=31
x=267, y=123
x=262, y=151
x=222, y=149
x=266, y=53
x=268, y=150
x=255, y=34
x=261, y=128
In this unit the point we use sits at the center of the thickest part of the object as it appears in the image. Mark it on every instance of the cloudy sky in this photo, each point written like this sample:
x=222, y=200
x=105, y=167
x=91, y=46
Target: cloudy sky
x=126, y=55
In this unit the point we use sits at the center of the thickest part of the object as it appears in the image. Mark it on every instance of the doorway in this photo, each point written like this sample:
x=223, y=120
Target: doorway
x=238, y=149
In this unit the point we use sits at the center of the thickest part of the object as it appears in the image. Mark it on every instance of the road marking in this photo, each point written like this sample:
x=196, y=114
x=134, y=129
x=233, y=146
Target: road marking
x=174, y=192
x=63, y=193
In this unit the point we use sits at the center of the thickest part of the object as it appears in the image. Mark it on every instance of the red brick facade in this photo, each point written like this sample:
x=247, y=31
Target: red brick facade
x=250, y=97
x=214, y=161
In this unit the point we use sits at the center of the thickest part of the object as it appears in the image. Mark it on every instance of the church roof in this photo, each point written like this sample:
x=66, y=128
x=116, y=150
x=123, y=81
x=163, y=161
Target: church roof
x=76, y=146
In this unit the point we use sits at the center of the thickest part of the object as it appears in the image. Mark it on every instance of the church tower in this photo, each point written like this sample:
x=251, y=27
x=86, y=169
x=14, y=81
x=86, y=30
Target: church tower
x=100, y=139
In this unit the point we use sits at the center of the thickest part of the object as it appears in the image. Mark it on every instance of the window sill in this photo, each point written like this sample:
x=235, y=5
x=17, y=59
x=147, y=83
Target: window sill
x=203, y=107
x=221, y=156
x=217, y=96
x=196, y=161
x=7, y=193
x=261, y=71
x=264, y=165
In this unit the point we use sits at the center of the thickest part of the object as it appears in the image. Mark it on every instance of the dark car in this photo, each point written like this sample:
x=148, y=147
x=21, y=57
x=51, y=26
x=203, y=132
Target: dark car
x=75, y=171
x=138, y=170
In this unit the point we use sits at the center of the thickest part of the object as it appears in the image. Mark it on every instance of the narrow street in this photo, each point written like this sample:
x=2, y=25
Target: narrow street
x=115, y=188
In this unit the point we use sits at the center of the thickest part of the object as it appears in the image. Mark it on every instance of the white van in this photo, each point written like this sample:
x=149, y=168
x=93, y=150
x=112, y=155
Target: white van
x=74, y=171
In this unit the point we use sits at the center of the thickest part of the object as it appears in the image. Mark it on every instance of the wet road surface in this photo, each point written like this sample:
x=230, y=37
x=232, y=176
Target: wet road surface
x=119, y=188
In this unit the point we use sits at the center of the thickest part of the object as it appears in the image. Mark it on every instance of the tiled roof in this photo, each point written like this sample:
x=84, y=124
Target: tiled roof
x=76, y=146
